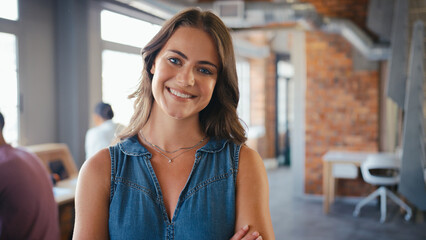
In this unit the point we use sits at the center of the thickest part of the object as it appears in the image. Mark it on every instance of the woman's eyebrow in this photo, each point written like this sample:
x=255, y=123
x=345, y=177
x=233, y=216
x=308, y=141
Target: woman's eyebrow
x=208, y=63
x=186, y=58
x=179, y=53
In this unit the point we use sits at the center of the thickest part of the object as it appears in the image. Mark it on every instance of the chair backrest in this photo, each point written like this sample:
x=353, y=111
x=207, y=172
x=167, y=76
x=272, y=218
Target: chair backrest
x=386, y=161
x=55, y=156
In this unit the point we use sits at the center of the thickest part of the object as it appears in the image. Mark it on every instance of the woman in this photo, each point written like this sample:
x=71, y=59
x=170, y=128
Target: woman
x=182, y=170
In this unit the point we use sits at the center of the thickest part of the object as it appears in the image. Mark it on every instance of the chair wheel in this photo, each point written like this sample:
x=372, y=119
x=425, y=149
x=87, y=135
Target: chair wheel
x=407, y=217
x=356, y=213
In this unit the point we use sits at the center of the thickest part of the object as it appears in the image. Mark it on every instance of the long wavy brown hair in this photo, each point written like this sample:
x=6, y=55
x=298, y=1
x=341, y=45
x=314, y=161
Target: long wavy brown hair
x=219, y=119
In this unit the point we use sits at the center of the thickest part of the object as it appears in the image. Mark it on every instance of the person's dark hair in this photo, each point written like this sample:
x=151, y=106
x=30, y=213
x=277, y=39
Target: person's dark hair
x=104, y=110
x=1, y=122
x=219, y=118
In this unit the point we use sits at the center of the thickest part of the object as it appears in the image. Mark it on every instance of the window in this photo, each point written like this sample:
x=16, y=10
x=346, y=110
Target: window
x=137, y=33
x=9, y=87
x=9, y=9
x=121, y=60
x=120, y=76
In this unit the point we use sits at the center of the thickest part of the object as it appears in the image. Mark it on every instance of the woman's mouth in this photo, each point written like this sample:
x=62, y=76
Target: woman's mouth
x=179, y=94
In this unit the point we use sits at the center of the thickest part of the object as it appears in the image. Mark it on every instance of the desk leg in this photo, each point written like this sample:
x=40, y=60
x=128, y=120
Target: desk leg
x=327, y=178
x=332, y=190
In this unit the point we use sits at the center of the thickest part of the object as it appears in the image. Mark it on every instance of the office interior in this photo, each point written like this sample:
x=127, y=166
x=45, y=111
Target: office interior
x=315, y=77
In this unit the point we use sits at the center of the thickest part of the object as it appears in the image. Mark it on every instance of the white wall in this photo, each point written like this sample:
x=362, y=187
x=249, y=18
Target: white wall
x=37, y=72
x=297, y=138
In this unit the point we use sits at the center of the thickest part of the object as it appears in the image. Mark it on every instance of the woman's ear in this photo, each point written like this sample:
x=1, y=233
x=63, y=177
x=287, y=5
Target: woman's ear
x=152, y=70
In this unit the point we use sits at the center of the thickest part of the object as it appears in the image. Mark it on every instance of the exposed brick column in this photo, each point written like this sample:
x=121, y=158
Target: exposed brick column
x=342, y=108
x=262, y=102
x=271, y=106
x=266, y=144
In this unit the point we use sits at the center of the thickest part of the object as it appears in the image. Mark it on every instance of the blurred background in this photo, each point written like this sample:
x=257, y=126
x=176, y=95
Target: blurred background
x=314, y=76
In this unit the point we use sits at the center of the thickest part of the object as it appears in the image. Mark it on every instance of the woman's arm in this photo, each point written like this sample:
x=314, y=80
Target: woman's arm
x=253, y=195
x=92, y=197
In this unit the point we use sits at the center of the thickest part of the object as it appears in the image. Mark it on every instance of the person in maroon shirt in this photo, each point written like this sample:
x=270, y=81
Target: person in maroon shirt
x=27, y=206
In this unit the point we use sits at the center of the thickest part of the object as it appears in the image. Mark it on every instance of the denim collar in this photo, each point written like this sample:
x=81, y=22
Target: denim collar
x=132, y=147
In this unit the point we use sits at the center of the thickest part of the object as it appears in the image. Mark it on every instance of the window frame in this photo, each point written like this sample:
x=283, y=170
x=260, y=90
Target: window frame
x=127, y=11
x=98, y=45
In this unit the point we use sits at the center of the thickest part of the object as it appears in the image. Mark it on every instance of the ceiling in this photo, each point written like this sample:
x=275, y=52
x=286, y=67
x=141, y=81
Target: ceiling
x=272, y=18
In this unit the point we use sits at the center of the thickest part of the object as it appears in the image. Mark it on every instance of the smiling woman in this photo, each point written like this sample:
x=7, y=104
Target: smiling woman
x=181, y=170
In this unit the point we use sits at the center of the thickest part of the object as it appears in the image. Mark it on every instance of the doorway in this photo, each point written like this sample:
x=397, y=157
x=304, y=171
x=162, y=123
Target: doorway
x=285, y=73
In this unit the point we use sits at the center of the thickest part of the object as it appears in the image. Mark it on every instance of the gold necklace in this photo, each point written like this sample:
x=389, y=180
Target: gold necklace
x=177, y=150
x=163, y=152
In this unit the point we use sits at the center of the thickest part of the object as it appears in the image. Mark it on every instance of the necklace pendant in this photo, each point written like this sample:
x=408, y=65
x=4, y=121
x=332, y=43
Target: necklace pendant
x=170, y=160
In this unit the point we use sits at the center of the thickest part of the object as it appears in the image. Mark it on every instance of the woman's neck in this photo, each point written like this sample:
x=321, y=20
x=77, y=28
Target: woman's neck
x=170, y=133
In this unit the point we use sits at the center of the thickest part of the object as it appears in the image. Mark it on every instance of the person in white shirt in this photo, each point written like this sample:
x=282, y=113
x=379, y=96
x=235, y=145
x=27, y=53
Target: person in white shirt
x=104, y=133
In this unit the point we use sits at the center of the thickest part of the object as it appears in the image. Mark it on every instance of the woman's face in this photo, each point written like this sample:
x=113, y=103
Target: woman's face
x=185, y=73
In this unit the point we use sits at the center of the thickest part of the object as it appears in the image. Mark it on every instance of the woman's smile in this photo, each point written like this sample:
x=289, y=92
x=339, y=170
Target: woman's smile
x=180, y=94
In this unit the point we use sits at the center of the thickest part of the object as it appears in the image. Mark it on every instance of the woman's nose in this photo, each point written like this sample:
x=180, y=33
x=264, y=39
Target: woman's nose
x=186, y=77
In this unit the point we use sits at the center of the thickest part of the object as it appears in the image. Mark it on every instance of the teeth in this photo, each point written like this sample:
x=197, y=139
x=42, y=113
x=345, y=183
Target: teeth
x=179, y=94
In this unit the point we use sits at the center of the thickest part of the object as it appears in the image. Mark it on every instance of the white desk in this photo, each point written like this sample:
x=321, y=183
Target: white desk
x=64, y=191
x=337, y=157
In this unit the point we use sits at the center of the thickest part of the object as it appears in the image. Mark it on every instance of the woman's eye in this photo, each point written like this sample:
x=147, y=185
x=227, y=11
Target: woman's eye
x=205, y=71
x=174, y=60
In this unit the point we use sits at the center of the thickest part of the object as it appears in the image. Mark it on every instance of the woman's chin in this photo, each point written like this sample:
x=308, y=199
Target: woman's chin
x=180, y=115
x=175, y=115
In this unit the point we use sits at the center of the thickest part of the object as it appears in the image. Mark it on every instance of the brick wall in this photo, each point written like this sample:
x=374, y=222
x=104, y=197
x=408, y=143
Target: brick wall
x=262, y=102
x=266, y=144
x=271, y=106
x=342, y=108
x=342, y=105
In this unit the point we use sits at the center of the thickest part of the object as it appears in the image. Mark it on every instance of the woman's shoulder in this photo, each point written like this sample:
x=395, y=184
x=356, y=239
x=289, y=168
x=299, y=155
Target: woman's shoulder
x=92, y=196
x=100, y=162
x=251, y=169
x=250, y=158
x=97, y=166
x=95, y=174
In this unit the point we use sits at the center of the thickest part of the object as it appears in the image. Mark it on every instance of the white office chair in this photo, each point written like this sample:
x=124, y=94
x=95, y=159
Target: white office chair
x=382, y=161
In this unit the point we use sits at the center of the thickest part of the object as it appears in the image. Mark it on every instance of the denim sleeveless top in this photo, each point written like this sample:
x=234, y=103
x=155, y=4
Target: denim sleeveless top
x=206, y=205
